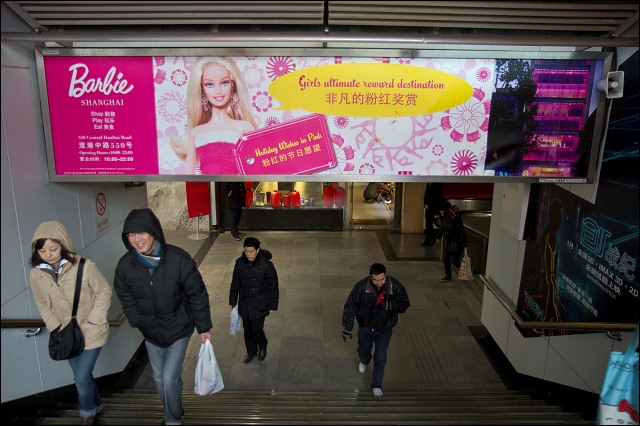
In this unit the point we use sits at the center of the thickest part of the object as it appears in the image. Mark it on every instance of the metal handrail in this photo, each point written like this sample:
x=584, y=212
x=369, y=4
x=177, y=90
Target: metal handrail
x=612, y=329
x=31, y=322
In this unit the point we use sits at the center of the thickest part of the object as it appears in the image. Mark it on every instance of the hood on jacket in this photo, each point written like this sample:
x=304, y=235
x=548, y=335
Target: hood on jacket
x=52, y=230
x=142, y=220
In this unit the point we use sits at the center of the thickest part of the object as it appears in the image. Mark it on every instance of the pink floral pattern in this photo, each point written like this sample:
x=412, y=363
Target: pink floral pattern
x=179, y=78
x=337, y=140
x=394, y=151
x=467, y=120
x=437, y=168
x=262, y=101
x=253, y=75
x=271, y=121
x=483, y=74
x=366, y=169
x=160, y=77
x=464, y=162
x=171, y=107
x=402, y=145
x=277, y=66
x=341, y=122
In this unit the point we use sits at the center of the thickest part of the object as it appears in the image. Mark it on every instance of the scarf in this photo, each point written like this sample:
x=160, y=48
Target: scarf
x=151, y=260
x=49, y=267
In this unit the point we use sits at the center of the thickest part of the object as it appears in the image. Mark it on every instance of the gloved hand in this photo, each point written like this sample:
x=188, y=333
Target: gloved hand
x=385, y=305
x=345, y=334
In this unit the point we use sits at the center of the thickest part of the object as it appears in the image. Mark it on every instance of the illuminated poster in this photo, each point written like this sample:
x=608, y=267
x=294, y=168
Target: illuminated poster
x=582, y=267
x=379, y=118
x=582, y=264
x=289, y=115
x=102, y=115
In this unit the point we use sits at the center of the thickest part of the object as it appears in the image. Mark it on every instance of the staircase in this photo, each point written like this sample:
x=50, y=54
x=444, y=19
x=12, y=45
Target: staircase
x=142, y=407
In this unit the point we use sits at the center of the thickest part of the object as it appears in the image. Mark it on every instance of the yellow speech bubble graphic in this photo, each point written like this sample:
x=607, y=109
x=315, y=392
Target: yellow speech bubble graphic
x=370, y=90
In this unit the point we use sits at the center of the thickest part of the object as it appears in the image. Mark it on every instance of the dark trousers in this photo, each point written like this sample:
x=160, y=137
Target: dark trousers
x=430, y=234
x=254, y=337
x=234, y=219
x=367, y=338
x=450, y=258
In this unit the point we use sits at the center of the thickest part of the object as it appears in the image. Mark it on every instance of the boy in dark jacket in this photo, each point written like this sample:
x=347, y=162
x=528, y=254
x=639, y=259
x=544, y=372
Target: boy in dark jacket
x=162, y=294
x=254, y=288
x=375, y=303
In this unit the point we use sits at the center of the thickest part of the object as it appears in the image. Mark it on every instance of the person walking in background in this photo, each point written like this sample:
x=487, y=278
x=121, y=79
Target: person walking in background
x=218, y=113
x=375, y=302
x=254, y=288
x=454, y=238
x=234, y=193
x=162, y=294
x=375, y=190
x=433, y=195
x=54, y=267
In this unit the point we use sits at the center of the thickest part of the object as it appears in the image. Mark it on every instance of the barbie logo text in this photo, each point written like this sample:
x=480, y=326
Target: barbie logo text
x=79, y=86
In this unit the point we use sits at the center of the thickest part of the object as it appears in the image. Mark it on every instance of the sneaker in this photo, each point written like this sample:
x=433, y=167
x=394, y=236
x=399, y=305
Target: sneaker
x=362, y=367
x=445, y=279
x=377, y=392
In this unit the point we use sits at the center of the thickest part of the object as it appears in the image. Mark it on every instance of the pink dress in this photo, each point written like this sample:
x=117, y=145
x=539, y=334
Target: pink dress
x=216, y=152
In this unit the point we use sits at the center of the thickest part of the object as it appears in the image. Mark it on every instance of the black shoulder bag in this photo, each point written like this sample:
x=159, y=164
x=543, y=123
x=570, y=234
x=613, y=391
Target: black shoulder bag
x=69, y=342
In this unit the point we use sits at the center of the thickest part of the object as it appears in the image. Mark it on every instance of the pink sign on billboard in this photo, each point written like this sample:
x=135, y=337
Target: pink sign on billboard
x=297, y=147
x=102, y=115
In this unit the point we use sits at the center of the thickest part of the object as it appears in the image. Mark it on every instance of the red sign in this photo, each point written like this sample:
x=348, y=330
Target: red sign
x=198, y=199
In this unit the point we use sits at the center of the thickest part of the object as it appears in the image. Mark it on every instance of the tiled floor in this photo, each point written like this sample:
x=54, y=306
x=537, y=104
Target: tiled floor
x=434, y=345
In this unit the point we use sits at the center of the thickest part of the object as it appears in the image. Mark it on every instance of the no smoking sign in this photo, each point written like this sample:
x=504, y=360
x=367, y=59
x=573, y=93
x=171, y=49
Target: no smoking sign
x=101, y=204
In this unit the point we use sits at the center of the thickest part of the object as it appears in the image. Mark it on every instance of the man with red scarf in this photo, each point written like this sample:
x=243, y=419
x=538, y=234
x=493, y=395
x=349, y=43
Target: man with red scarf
x=375, y=303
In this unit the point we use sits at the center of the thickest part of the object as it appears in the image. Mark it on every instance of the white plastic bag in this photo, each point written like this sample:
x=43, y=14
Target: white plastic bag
x=465, y=273
x=208, y=376
x=235, y=322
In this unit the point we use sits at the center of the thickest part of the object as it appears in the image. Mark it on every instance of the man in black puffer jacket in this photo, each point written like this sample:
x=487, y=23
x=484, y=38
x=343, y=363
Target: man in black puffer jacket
x=375, y=303
x=254, y=288
x=162, y=294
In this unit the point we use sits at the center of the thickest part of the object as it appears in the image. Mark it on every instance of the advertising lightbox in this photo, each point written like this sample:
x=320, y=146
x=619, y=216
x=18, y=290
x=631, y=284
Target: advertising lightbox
x=119, y=115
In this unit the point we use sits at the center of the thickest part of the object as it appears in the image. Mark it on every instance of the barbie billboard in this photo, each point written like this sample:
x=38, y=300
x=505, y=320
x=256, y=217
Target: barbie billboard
x=299, y=115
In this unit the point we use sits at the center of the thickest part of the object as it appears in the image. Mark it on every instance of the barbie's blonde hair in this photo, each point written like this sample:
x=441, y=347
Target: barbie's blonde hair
x=195, y=114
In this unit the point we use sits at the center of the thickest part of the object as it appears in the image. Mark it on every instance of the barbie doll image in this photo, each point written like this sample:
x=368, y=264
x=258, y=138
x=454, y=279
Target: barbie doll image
x=218, y=114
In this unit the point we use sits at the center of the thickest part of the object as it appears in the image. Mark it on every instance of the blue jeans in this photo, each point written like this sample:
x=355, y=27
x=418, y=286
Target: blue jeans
x=89, y=401
x=166, y=364
x=367, y=338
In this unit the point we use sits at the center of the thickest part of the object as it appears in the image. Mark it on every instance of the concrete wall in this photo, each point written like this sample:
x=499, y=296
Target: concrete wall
x=412, y=220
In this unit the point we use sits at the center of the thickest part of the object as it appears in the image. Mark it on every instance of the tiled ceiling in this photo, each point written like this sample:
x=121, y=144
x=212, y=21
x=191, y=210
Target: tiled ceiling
x=463, y=19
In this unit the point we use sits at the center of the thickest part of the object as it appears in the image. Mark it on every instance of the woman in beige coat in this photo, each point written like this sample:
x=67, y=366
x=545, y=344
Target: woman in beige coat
x=54, y=267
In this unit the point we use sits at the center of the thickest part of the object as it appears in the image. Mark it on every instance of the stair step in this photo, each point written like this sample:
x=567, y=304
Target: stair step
x=142, y=406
